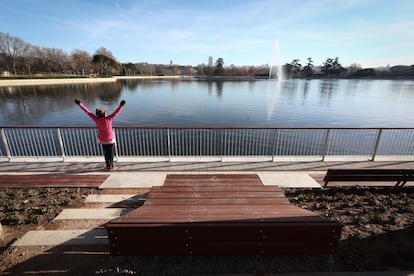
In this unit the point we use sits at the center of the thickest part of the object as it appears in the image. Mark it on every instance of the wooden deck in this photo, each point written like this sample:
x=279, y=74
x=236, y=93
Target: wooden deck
x=51, y=180
x=220, y=214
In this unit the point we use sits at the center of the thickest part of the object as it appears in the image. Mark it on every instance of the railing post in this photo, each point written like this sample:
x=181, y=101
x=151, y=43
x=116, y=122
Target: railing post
x=224, y=149
x=5, y=143
x=376, y=144
x=62, y=147
x=325, y=150
x=274, y=145
x=169, y=144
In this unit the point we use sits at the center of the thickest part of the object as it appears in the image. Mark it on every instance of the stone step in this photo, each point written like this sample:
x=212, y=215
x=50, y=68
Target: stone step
x=63, y=238
x=91, y=213
x=75, y=224
x=113, y=198
x=113, y=201
x=135, y=191
x=134, y=180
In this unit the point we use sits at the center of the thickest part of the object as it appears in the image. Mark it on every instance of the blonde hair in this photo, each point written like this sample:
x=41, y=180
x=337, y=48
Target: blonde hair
x=100, y=112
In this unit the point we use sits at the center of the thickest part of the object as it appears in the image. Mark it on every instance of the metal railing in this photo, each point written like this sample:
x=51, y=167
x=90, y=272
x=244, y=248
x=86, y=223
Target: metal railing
x=208, y=143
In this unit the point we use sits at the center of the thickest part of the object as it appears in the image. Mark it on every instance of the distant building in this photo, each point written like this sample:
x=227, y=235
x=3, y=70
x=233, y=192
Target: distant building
x=210, y=61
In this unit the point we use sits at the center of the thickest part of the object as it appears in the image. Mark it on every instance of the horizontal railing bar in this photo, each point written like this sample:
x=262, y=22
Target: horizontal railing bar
x=217, y=127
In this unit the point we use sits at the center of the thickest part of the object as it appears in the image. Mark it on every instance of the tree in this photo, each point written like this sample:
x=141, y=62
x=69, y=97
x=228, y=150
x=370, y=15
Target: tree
x=12, y=47
x=105, y=52
x=308, y=69
x=81, y=61
x=129, y=69
x=105, y=61
x=28, y=57
x=332, y=67
x=296, y=68
x=219, y=67
x=252, y=71
x=58, y=59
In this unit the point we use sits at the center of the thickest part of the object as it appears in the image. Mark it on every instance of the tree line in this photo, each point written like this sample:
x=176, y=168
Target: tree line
x=21, y=58
x=331, y=67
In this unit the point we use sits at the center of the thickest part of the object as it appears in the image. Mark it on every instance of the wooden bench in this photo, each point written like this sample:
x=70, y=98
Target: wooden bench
x=399, y=176
x=220, y=214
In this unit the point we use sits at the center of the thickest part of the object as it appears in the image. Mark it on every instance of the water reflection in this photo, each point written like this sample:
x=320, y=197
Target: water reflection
x=216, y=103
x=219, y=87
x=326, y=90
x=34, y=104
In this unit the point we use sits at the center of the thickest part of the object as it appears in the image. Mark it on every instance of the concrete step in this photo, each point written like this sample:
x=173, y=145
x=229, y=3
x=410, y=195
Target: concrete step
x=77, y=226
x=114, y=201
x=135, y=191
x=63, y=238
x=134, y=180
x=91, y=213
x=113, y=198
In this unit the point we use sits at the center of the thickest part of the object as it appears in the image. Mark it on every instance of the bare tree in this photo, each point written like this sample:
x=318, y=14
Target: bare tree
x=12, y=47
x=60, y=60
x=29, y=58
x=81, y=61
x=42, y=55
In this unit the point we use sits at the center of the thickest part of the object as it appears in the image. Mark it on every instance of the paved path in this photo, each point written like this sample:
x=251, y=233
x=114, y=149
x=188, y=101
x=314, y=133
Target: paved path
x=287, y=166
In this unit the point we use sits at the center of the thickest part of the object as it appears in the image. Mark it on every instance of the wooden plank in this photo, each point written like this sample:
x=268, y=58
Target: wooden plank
x=56, y=176
x=163, y=189
x=215, y=201
x=214, y=194
x=225, y=218
x=51, y=180
x=212, y=176
x=212, y=179
x=235, y=231
x=221, y=183
x=225, y=248
x=216, y=209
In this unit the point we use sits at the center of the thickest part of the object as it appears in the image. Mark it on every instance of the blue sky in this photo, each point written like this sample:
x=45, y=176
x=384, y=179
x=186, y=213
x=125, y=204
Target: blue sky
x=243, y=32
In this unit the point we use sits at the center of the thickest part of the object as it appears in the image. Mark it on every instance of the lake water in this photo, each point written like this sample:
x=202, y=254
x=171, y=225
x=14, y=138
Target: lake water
x=320, y=103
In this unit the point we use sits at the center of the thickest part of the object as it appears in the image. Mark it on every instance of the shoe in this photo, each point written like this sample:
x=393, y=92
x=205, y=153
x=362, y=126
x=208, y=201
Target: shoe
x=108, y=168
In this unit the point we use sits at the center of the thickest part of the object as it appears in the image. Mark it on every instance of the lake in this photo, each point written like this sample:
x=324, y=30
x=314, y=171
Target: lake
x=302, y=103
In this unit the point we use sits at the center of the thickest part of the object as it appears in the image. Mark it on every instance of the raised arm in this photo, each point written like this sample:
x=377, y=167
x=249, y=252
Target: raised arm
x=85, y=109
x=117, y=110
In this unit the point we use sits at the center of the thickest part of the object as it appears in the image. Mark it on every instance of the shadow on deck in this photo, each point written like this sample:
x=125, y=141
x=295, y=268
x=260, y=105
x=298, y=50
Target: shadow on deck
x=220, y=214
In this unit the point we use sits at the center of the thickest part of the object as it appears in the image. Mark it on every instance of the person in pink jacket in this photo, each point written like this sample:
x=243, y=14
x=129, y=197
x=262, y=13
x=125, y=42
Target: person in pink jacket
x=106, y=135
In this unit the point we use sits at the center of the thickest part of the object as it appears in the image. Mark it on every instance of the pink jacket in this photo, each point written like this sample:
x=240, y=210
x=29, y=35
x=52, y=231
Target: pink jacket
x=104, y=124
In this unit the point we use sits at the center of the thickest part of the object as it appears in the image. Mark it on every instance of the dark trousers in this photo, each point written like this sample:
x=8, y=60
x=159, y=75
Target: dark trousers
x=109, y=154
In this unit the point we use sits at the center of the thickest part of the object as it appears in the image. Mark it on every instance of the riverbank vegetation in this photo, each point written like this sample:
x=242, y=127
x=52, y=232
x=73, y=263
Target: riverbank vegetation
x=19, y=59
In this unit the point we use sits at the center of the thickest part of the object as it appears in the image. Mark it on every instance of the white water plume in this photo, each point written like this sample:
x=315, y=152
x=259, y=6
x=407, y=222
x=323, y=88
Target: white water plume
x=275, y=79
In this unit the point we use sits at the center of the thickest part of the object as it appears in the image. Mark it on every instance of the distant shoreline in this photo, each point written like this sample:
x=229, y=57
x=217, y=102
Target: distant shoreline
x=29, y=82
